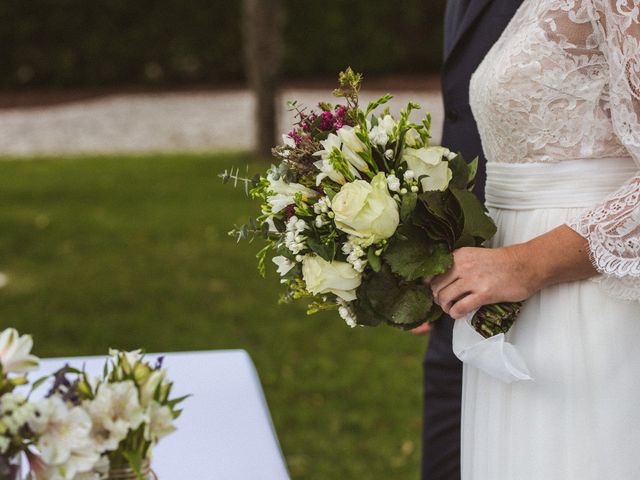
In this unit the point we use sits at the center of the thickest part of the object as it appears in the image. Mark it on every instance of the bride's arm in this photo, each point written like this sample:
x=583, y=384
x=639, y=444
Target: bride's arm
x=481, y=276
x=604, y=239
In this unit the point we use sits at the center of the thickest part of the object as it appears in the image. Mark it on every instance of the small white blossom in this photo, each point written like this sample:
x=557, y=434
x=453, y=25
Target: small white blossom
x=299, y=258
x=414, y=188
x=379, y=136
x=409, y=175
x=388, y=154
x=403, y=191
x=319, y=222
x=359, y=265
x=347, y=247
x=284, y=264
x=393, y=183
x=346, y=314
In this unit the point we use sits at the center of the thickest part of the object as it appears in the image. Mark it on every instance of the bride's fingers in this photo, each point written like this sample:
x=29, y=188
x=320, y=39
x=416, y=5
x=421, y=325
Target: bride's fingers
x=465, y=305
x=441, y=281
x=451, y=294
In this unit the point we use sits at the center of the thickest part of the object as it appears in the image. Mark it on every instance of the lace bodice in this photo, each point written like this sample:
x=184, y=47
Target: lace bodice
x=563, y=82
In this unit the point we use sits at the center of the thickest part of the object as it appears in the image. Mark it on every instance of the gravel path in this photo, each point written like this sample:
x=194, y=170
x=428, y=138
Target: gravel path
x=189, y=121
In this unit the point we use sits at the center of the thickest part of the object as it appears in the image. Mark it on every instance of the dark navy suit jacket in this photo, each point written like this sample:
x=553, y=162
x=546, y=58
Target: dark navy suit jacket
x=468, y=38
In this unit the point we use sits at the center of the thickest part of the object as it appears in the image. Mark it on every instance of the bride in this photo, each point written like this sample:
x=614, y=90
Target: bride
x=557, y=102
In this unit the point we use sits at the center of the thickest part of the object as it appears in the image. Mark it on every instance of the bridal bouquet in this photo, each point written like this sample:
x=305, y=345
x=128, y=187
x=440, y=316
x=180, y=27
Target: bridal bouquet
x=360, y=207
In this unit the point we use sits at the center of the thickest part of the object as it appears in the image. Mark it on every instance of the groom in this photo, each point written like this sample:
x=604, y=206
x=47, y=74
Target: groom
x=471, y=28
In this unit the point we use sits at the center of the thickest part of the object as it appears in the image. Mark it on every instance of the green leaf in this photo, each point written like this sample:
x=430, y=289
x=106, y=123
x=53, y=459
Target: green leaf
x=473, y=170
x=476, y=221
x=135, y=462
x=408, y=205
x=460, y=171
x=374, y=260
x=365, y=315
x=401, y=304
x=330, y=192
x=327, y=251
x=417, y=256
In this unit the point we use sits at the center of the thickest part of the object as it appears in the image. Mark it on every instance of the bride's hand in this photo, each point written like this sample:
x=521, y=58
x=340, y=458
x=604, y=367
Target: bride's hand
x=482, y=276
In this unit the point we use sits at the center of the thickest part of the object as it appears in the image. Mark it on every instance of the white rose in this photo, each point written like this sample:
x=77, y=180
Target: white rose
x=429, y=161
x=284, y=193
x=336, y=277
x=366, y=210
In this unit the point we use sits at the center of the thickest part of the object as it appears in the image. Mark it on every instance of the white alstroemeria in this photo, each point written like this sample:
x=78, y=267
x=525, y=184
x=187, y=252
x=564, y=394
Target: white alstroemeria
x=284, y=264
x=430, y=164
x=288, y=141
x=132, y=357
x=160, y=422
x=379, y=136
x=64, y=440
x=114, y=411
x=335, y=277
x=285, y=193
x=15, y=352
x=412, y=138
x=150, y=386
x=389, y=124
x=393, y=183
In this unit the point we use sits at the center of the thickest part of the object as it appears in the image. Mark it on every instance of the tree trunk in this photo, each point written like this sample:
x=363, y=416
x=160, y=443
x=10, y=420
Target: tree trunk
x=263, y=52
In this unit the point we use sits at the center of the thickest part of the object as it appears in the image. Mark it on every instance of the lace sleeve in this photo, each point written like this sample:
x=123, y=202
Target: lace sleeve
x=613, y=227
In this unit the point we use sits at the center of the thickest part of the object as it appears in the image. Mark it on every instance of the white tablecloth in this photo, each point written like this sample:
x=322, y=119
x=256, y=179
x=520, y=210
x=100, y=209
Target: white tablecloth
x=225, y=431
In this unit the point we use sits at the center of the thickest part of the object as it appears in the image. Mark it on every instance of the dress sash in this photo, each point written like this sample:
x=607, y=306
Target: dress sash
x=577, y=183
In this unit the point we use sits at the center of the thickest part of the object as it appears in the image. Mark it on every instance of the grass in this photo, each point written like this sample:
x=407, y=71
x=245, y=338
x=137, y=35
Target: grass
x=132, y=252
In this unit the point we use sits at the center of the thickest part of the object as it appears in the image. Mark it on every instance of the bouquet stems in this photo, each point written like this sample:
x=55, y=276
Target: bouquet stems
x=497, y=318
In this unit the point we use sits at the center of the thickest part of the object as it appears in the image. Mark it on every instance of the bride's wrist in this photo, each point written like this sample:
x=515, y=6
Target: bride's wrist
x=530, y=268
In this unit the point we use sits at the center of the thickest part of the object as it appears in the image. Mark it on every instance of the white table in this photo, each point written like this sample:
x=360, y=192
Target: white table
x=225, y=431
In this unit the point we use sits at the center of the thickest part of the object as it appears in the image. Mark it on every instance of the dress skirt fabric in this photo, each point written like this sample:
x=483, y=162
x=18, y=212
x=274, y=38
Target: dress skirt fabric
x=580, y=416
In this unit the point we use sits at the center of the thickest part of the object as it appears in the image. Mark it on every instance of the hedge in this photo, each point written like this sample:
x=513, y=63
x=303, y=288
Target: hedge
x=70, y=43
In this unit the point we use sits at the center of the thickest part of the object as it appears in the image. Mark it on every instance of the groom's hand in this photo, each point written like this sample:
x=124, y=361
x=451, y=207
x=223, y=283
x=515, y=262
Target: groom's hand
x=422, y=329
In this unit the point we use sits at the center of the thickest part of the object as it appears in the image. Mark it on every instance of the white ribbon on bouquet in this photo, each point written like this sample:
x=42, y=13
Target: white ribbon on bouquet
x=494, y=355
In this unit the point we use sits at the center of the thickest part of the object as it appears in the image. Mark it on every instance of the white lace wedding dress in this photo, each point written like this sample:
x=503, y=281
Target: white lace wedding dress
x=557, y=101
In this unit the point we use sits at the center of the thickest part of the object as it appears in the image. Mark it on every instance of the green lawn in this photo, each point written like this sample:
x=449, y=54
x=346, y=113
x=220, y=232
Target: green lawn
x=132, y=252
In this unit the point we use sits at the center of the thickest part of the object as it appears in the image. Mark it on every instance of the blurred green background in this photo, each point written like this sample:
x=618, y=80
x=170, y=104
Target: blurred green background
x=132, y=251
x=113, y=42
